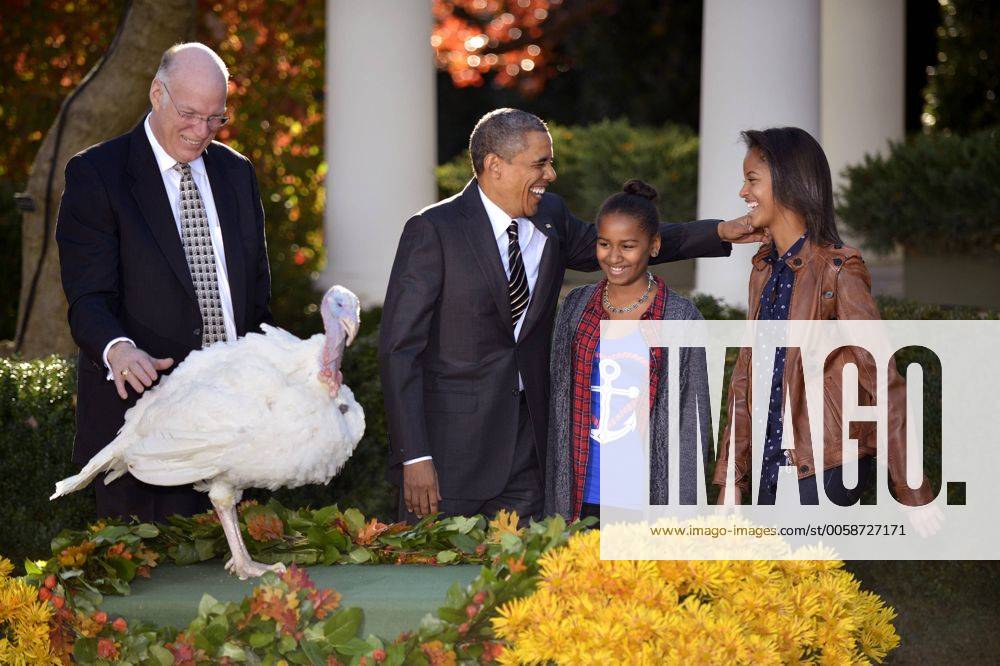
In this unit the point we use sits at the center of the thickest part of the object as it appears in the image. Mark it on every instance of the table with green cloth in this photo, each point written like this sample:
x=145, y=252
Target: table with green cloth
x=394, y=598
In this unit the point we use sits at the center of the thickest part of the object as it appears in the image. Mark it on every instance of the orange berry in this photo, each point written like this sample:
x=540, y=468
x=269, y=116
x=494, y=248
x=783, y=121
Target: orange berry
x=44, y=593
x=100, y=617
x=50, y=581
x=120, y=625
x=58, y=601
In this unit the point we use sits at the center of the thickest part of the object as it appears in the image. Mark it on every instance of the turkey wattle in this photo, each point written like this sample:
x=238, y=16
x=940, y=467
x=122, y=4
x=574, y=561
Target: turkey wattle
x=266, y=411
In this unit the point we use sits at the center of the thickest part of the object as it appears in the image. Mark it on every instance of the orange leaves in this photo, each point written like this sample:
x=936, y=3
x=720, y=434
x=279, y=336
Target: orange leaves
x=273, y=603
x=504, y=523
x=47, y=58
x=281, y=603
x=297, y=579
x=75, y=556
x=438, y=655
x=370, y=531
x=207, y=518
x=145, y=557
x=473, y=38
x=184, y=652
x=516, y=566
x=324, y=601
x=264, y=527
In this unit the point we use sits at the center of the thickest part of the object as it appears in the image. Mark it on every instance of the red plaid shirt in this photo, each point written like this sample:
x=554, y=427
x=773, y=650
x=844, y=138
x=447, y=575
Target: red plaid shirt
x=585, y=344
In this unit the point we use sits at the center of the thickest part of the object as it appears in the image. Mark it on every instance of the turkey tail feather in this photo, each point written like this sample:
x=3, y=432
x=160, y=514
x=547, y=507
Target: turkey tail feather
x=105, y=460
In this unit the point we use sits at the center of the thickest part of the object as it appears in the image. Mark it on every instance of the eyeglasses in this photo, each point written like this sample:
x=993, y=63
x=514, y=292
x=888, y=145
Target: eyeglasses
x=213, y=122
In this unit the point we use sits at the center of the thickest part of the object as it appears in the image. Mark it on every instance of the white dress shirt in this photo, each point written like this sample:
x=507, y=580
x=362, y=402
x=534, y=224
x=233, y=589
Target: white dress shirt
x=532, y=242
x=529, y=238
x=172, y=183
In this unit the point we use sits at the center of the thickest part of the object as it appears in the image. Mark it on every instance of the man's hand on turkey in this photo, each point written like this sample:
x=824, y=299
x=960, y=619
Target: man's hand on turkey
x=131, y=365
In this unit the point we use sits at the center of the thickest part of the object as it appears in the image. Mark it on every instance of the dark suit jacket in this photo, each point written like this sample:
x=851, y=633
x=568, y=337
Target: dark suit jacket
x=448, y=359
x=124, y=271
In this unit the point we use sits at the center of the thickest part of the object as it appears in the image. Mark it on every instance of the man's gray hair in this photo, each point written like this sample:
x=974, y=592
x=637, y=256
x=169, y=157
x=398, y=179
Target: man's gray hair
x=167, y=61
x=501, y=132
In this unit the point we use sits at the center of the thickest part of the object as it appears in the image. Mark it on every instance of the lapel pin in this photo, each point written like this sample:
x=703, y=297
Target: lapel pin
x=548, y=226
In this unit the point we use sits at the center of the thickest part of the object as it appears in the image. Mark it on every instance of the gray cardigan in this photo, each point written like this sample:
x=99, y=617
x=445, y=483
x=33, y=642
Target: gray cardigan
x=694, y=408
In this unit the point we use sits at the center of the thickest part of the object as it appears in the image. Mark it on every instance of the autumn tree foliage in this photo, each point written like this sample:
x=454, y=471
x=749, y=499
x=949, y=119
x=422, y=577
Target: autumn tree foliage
x=515, y=43
x=474, y=37
x=275, y=50
x=45, y=49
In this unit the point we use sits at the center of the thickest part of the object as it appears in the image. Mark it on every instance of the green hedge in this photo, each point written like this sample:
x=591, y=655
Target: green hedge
x=935, y=193
x=36, y=438
x=36, y=412
x=593, y=161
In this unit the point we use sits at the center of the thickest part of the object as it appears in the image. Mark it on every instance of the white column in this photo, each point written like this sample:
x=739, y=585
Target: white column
x=760, y=68
x=863, y=80
x=380, y=136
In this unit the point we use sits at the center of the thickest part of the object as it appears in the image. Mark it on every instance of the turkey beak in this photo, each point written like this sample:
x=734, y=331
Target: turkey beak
x=350, y=325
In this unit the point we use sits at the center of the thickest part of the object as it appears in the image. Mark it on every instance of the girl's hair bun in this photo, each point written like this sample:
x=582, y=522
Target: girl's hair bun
x=640, y=189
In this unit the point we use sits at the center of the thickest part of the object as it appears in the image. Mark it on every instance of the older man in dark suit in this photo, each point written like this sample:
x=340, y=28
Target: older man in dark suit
x=464, y=348
x=161, y=242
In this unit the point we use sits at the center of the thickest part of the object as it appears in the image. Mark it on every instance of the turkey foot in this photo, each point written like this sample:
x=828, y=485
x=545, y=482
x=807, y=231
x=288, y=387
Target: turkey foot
x=252, y=568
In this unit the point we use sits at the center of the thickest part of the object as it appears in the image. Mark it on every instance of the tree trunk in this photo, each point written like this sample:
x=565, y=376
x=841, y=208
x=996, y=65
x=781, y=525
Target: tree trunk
x=114, y=96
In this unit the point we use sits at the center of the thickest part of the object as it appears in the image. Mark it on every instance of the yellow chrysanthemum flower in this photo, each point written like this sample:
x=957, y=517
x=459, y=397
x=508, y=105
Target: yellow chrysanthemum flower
x=511, y=619
x=24, y=621
x=587, y=610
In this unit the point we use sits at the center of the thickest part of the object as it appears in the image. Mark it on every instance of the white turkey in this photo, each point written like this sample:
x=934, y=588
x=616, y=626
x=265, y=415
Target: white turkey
x=266, y=411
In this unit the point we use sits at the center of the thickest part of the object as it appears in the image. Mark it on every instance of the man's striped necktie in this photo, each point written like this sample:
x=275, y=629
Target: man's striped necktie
x=517, y=284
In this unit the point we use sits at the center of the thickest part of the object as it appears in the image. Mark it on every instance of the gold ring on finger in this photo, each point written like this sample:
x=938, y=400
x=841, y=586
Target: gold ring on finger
x=125, y=372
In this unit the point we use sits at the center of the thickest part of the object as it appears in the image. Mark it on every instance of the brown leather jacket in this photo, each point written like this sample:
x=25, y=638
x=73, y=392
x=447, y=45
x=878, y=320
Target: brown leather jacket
x=831, y=282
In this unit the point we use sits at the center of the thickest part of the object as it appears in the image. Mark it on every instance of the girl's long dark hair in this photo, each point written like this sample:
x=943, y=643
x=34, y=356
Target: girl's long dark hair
x=800, y=177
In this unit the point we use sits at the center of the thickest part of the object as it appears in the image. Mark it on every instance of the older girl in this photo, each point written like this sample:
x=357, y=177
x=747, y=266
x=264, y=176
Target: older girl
x=804, y=272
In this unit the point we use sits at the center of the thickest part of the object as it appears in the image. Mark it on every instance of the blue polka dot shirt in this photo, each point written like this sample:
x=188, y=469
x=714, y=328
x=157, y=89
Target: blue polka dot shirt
x=774, y=304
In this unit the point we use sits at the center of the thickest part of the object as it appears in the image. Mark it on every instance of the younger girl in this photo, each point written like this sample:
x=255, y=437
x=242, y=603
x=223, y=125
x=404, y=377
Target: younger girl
x=585, y=431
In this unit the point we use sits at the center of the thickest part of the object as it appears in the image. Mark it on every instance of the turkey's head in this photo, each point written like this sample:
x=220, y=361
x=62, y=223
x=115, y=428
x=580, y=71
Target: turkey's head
x=341, y=312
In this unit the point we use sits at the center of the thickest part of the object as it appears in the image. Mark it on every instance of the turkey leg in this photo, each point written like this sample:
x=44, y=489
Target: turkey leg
x=240, y=563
